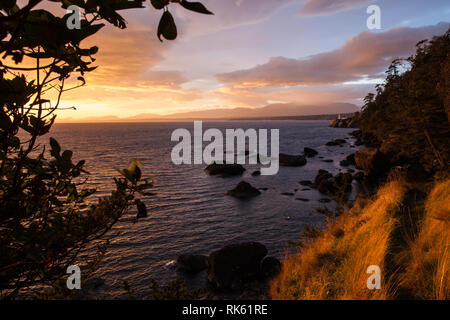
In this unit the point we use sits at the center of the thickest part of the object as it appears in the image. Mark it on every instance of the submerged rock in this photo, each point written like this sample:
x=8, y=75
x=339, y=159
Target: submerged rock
x=224, y=170
x=192, y=263
x=309, y=152
x=287, y=160
x=244, y=190
x=348, y=161
x=235, y=264
x=336, y=142
x=307, y=183
x=256, y=173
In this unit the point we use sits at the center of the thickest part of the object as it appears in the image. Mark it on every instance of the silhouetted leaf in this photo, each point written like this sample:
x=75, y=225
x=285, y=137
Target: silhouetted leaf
x=56, y=149
x=7, y=4
x=195, y=6
x=167, y=27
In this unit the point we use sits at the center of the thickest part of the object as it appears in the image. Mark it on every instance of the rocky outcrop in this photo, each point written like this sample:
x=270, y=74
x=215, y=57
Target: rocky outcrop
x=235, y=264
x=309, y=152
x=348, y=161
x=287, y=160
x=321, y=176
x=224, y=170
x=337, y=186
x=343, y=182
x=244, y=190
x=192, y=263
x=324, y=182
x=352, y=122
x=372, y=161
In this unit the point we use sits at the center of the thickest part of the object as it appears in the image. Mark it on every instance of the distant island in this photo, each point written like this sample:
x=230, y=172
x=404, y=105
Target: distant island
x=279, y=111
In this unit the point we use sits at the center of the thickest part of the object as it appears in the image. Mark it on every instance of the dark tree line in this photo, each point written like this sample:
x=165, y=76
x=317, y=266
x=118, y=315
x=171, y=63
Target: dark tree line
x=410, y=112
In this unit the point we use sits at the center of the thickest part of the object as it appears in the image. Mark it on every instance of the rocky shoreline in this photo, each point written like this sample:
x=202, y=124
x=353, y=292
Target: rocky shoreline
x=243, y=270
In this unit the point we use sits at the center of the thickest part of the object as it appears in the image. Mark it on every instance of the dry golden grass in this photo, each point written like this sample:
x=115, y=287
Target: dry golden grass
x=427, y=261
x=334, y=265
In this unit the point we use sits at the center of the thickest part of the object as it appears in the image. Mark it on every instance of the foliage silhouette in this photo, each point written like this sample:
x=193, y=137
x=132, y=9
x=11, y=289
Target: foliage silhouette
x=47, y=218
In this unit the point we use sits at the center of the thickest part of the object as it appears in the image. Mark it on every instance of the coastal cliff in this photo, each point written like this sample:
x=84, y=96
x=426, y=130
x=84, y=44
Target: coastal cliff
x=401, y=222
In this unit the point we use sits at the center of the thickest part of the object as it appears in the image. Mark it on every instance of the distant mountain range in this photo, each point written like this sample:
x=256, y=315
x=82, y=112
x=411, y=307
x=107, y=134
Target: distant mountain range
x=272, y=111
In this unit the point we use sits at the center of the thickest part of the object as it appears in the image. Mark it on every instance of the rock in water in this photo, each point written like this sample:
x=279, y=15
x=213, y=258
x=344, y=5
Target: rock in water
x=256, y=173
x=309, y=153
x=321, y=176
x=235, y=263
x=287, y=160
x=343, y=182
x=307, y=183
x=336, y=142
x=348, y=161
x=244, y=190
x=192, y=263
x=141, y=208
x=224, y=170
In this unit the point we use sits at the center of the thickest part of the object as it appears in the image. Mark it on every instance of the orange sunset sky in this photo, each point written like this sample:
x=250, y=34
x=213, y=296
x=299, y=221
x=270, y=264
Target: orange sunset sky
x=251, y=53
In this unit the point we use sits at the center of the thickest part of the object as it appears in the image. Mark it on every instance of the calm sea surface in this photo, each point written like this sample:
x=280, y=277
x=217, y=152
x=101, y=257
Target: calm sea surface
x=190, y=213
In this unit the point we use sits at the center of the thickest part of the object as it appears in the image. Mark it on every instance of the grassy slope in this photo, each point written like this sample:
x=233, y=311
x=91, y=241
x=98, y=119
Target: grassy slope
x=428, y=257
x=333, y=266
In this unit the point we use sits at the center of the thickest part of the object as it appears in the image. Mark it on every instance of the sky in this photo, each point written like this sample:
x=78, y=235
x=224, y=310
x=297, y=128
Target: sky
x=251, y=53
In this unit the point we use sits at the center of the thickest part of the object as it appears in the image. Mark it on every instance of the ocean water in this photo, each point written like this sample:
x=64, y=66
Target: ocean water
x=190, y=212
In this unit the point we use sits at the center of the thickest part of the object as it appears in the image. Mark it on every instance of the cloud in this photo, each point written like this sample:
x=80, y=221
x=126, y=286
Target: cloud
x=363, y=56
x=228, y=14
x=130, y=59
x=326, y=7
x=320, y=94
